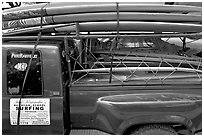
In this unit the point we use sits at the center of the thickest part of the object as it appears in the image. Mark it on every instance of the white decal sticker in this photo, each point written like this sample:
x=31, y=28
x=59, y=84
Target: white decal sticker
x=22, y=55
x=21, y=66
x=34, y=111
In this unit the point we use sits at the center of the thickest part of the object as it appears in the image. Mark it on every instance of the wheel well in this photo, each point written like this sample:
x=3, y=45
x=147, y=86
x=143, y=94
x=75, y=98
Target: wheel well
x=179, y=128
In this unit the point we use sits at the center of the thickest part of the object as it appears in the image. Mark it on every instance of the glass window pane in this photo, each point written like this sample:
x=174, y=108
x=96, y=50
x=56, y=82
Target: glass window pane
x=17, y=63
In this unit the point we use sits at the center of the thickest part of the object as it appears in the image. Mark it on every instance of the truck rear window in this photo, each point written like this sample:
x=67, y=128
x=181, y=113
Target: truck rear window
x=17, y=63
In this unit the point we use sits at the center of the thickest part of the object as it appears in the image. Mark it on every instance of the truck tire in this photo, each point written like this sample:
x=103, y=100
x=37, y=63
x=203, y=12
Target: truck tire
x=155, y=129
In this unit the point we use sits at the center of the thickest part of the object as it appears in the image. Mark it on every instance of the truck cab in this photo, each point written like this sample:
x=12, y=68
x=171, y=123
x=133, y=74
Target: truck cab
x=48, y=98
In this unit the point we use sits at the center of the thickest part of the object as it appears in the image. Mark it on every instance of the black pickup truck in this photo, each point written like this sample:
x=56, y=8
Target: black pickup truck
x=133, y=94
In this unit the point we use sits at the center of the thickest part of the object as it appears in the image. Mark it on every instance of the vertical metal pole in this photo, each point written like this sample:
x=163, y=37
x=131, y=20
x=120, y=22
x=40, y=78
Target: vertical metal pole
x=118, y=19
x=116, y=40
x=66, y=97
x=184, y=43
x=85, y=53
x=67, y=54
x=90, y=44
x=80, y=42
x=111, y=69
x=88, y=41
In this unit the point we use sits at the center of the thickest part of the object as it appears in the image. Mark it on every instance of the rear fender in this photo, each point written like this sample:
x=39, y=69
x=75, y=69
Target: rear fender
x=124, y=111
x=160, y=119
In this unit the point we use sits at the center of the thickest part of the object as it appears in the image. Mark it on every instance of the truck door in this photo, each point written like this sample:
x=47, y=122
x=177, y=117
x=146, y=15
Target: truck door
x=41, y=107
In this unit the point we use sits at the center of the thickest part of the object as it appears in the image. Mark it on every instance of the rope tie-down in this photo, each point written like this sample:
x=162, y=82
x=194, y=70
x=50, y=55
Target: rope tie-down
x=27, y=71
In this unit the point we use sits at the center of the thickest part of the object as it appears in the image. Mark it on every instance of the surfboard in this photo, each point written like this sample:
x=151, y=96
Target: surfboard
x=103, y=16
x=45, y=28
x=132, y=69
x=68, y=8
x=133, y=26
x=126, y=26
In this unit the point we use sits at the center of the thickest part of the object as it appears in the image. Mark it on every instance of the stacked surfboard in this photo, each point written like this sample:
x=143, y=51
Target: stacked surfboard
x=98, y=17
